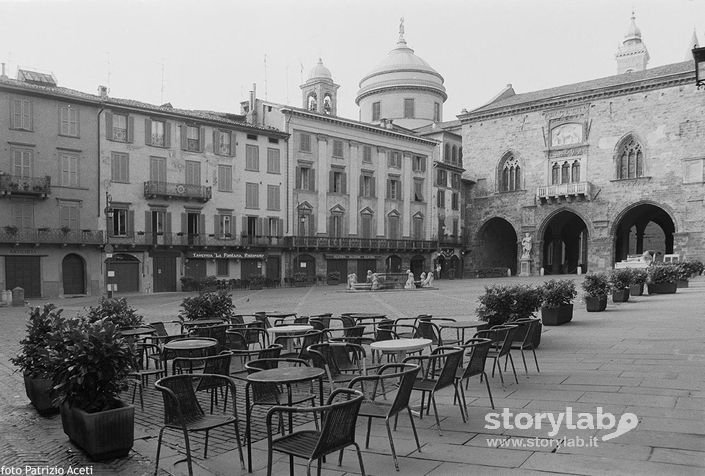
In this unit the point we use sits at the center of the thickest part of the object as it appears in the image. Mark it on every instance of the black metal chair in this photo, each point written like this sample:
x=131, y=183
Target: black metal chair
x=477, y=353
x=140, y=372
x=391, y=376
x=524, y=339
x=337, y=432
x=323, y=357
x=437, y=372
x=182, y=412
x=501, y=337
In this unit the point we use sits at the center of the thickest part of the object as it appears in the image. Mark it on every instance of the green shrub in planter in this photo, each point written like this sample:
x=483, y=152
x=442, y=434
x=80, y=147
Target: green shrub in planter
x=621, y=278
x=116, y=311
x=638, y=279
x=212, y=305
x=663, y=274
x=501, y=304
x=692, y=268
x=596, y=287
x=557, y=301
x=33, y=358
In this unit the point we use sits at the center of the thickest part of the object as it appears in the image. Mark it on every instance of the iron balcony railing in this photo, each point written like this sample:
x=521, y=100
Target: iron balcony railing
x=176, y=191
x=381, y=244
x=186, y=239
x=11, y=234
x=565, y=190
x=29, y=186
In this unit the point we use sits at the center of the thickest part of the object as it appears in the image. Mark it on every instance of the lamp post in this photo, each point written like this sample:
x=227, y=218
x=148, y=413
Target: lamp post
x=699, y=58
x=108, y=247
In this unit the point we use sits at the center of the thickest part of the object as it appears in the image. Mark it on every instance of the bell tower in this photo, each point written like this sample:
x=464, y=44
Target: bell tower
x=632, y=54
x=319, y=92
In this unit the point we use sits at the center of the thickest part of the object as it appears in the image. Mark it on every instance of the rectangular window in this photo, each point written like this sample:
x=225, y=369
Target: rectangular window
x=222, y=267
x=225, y=178
x=436, y=112
x=441, y=199
x=418, y=228
x=376, y=111
x=193, y=172
x=337, y=181
x=158, y=137
x=336, y=225
x=455, y=227
x=455, y=181
x=251, y=136
x=252, y=158
x=68, y=120
x=193, y=138
x=273, y=201
x=225, y=226
x=305, y=178
x=455, y=201
x=21, y=114
x=119, y=167
x=222, y=143
x=367, y=154
x=274, y=227
x=305, y=142
x=394, y=159
x=441, y=178
x=69, y=216
x=251, y=195
x=119, y=132
x=366, y=225
x=338, y=148
x=22, y=161
x=273, y=140
x=69, y=170
x=273, y=161
x=367, y=186
x=418, y=190
x=157, y=169
x=394, y=189
x=393, y=227
x=119, y=227
x=23, y=213
x=409, y=108
x=418, y=164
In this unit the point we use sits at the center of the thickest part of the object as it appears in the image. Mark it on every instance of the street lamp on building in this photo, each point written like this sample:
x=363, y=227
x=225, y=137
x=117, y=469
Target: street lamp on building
x=108, y=247
x=699, y=57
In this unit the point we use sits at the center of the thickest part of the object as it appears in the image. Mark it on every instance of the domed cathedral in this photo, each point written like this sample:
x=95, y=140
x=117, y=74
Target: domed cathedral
x=584, y=176
x=319, y=91
x=402, y=88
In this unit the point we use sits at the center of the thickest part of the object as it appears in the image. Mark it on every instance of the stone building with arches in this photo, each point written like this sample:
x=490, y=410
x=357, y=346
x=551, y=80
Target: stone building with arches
x=593, y=171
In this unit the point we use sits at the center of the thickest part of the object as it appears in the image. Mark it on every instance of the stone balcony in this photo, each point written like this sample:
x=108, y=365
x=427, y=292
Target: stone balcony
x=368, y=244
x=565, y=191
x=177, y=191
x=14, y=185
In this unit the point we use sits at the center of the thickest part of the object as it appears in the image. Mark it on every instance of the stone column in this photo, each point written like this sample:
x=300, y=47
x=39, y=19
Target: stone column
x=353, y=187
x=322, y=179
x=381, y=189
x=407, y=185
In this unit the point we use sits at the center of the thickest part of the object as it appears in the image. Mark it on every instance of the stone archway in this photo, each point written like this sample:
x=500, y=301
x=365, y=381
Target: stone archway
x=565, y=244
x=73, y=272
x=643, y=227
x=496, y=245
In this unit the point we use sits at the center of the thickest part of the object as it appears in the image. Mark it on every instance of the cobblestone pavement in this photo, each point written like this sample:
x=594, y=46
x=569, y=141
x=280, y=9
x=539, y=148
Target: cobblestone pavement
x=645, y=357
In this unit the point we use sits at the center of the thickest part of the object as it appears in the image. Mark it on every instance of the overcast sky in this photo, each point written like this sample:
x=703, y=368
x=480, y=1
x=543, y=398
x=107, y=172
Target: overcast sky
x=210, y=52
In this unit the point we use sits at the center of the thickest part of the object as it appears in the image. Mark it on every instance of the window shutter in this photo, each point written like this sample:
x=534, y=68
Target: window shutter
x=343, y=183
x=167, y=134
x=108, y=125
x=311, y=226
x=184, y=223
x=372, y=188
x=216, y=225
x=331, y=181
x=298, y=178
x=202, y=224
x=312, y=182
x=389, y=188
x=60, y=118
x=362, y=185
x=330, y=225
x=111, y=225
x=130, y=129
x=244, y=226
x=216, y=149
x=423, y=164
x=232, y=225
x=148, y=131
x=258, y=227
x=232, y=143
x=148, y=223
x=130, y=223
x=167, y=223
x=280, y=227
x=202, y=139
x=182, y=131
x=31, y=115
x=13, y=113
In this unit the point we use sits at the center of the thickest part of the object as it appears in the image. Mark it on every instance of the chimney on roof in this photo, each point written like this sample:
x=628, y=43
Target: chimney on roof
x=252, y=113
x=3, y=75
x=103, y=92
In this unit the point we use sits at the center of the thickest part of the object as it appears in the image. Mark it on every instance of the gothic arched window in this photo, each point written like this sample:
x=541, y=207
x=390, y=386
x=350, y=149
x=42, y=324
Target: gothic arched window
x=510, y=175
x=630, y=159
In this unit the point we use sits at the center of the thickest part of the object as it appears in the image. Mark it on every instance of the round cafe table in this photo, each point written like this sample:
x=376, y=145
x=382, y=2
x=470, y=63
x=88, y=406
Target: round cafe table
x=460, y=327
x=138, y=331
x=293, y=330
x=400, y=347
x=203, y=322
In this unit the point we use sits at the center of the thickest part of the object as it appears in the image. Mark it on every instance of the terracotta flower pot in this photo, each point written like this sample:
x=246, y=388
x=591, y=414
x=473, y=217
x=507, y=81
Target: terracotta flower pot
x=556, y=316
x=662, y=288
x=102, y=435
x=636, y=289
x=596, y=304
x=620, y=295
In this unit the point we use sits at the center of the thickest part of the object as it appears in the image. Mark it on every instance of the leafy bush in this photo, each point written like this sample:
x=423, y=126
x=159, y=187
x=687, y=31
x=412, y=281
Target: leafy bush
x=90, y=363
x=690, y=268
x=117, y=311
x=189, y=284
x=596, y=284
x=33, y=357
x=663, y=273
x=638, y=276
x=621, y=278
x=213, y=305
x=556, y=293
x=501, y=304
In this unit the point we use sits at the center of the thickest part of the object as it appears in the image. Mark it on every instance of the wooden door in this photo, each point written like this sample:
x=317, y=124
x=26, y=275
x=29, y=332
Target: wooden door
x=73, y=271
x=24, y=271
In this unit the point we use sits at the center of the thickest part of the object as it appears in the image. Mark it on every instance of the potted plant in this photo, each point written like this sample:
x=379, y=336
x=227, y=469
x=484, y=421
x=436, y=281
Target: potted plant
x=213, y=305
x=684, y=274
x=557, y=301
x=620, y=281
x=662, y=278
x=503, y=304
x=90, y=364
x=695, y=267
x=33, y=357
x=636, y=287
x=596, y=287
x=256, y=282
x=11, y=229
x=65, y=230
x=117, y=311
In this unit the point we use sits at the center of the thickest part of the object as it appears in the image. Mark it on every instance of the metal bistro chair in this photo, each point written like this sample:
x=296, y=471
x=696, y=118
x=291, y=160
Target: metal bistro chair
x=478, y=350
x=141, y=373
x=438, y=372
x=524, y=339
x=216, y=332
x=182, y=412
x=501, y=337
x=323, y=357
x=339, y=419
x=213, y=365
x=391, y=376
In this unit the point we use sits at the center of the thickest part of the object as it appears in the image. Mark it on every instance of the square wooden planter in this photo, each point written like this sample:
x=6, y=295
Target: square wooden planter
x=663, y=288
x=556, y=316
x=37, y=390
x=102, y=435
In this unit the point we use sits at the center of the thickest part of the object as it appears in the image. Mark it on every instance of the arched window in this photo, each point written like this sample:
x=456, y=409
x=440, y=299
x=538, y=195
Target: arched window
x=393, y=228
x=510, y=175
x=555, y=174
x=454, y=159
x=630, y=159
x=446, y=156
x=576, y=171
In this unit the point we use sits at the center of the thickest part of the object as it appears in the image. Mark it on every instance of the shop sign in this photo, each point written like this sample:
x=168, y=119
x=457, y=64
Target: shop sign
x=222, y=255
x=330, y=256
